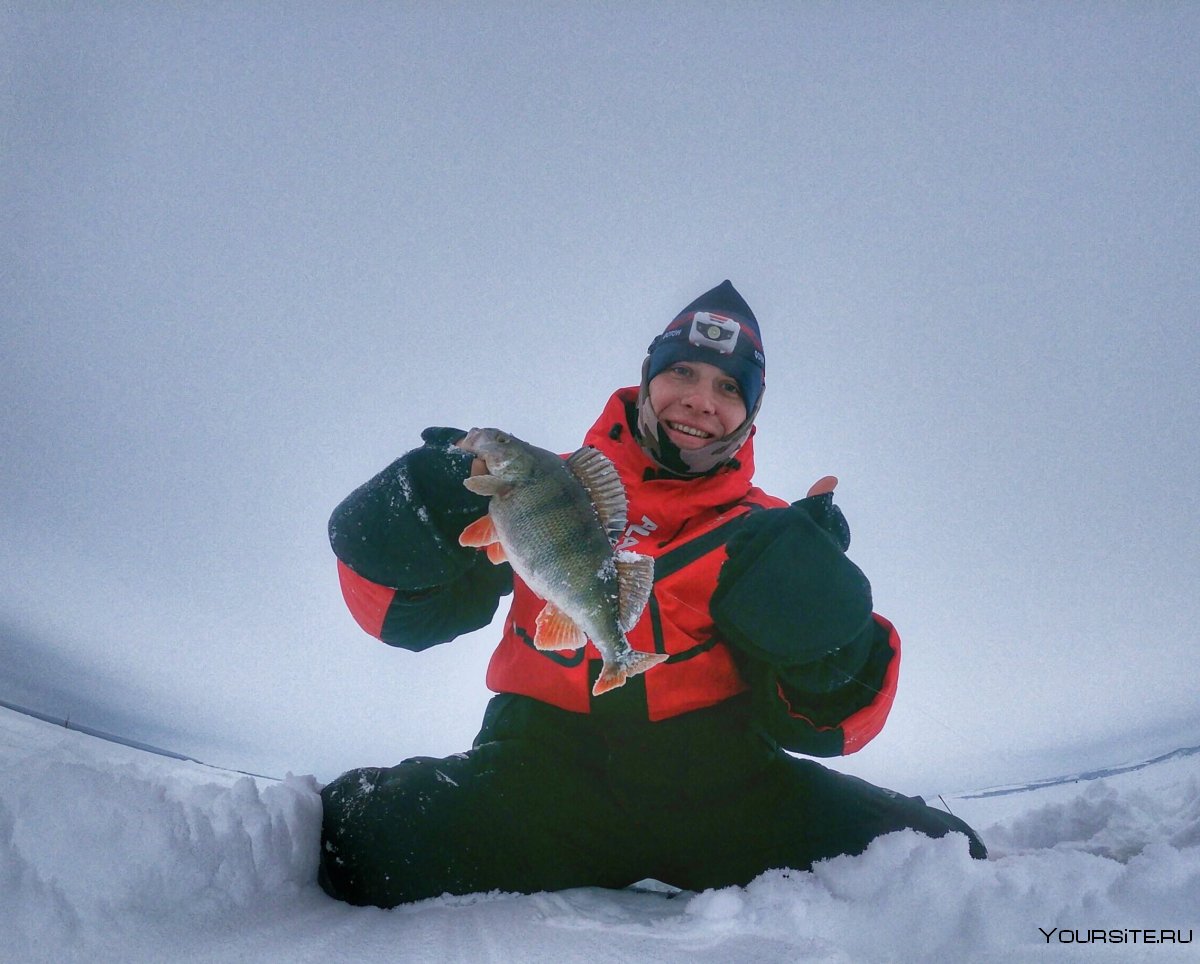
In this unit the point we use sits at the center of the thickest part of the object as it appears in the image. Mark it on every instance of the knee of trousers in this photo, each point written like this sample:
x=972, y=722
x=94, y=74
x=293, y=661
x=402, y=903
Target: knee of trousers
x=419, y=829
x=367, y=840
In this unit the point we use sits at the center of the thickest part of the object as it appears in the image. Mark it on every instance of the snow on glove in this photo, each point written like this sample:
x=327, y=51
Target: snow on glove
x=436, y=471
x=828, y=516
x=787, y=593
x=401, y=528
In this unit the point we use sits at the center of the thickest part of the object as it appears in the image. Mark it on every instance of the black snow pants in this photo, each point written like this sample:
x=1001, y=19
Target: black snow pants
x=548, y=800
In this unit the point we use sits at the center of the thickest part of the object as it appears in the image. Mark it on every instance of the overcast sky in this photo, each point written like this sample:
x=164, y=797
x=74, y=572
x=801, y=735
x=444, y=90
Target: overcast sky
x=249, y=251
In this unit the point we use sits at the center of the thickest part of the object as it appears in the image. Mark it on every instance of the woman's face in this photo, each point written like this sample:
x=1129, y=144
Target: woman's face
x=696, y=403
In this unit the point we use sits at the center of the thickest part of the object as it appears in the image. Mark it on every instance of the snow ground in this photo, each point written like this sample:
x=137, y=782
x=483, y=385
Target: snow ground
x=109, y=853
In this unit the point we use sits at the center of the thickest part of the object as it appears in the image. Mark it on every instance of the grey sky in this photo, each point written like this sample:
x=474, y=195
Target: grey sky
x=250, y=250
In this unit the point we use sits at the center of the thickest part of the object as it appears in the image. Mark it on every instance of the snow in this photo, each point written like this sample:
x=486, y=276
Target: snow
x=112, y=853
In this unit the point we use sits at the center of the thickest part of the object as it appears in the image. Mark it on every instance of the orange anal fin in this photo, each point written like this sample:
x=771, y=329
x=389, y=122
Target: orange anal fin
x=554, y=630
x=481, y=532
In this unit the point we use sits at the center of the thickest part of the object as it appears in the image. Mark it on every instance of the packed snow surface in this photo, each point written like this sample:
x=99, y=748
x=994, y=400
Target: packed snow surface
x=110, y=853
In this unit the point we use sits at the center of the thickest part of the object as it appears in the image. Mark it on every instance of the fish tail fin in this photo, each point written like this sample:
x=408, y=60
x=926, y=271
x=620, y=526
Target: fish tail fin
x=617, y=672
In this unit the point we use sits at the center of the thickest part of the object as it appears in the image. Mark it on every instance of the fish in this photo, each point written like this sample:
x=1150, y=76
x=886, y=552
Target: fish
x=556, y=521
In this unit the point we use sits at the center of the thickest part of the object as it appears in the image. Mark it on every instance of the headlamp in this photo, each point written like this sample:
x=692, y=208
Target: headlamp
x=714, y=331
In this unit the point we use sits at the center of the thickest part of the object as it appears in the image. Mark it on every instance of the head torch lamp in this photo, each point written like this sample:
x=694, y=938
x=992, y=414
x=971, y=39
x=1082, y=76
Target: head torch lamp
x=715, y=332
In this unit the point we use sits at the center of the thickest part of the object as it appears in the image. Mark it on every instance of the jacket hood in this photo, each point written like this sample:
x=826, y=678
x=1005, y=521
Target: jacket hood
x=676, y=499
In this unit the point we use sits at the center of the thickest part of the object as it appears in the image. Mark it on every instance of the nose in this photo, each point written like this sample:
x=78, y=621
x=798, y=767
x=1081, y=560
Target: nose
x=701, y=398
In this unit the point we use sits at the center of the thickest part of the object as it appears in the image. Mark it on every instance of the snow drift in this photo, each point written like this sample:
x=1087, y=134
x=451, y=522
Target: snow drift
x=110, y=853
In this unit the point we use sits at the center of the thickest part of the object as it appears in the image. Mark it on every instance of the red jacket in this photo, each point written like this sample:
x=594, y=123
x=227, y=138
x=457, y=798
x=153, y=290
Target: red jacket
x=669, y=519
x=663, y=515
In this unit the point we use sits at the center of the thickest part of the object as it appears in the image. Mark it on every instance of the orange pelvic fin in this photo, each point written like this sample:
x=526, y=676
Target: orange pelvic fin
x=555, y=630
x=481, y=532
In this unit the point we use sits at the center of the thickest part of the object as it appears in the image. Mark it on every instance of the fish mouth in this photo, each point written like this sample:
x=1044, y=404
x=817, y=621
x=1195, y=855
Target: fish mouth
x=689, y=430
x=477, y=438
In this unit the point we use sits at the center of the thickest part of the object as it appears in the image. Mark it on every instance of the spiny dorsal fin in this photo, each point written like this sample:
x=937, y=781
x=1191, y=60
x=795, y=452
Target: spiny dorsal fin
x=635, y=580
x=599, y=477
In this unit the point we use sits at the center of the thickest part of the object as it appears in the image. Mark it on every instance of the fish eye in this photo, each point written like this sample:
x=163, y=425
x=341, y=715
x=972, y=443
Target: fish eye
x=502, y=438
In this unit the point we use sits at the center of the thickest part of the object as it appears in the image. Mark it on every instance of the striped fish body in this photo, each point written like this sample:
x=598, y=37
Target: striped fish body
x=556, y=521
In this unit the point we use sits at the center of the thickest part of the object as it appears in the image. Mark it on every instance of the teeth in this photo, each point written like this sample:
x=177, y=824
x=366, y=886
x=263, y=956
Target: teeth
x=688, y=430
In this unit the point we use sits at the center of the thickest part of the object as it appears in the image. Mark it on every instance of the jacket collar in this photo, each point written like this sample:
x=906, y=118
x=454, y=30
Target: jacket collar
x=669, y=499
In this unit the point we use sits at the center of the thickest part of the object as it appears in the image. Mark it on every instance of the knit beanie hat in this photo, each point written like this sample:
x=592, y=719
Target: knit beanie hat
x=718, y=328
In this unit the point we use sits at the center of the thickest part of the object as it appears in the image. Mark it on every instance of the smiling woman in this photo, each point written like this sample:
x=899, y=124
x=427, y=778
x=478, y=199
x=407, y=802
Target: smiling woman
x=702, y=384
x=696, y=402
x=756, y=636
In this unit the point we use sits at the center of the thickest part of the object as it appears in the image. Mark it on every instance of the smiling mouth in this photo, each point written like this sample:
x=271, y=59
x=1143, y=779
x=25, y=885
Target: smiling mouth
x=688, y=430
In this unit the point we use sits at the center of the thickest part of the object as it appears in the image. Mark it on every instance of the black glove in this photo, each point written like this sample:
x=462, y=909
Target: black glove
x=787, y=593
x=401, y=528
x=828, y=516
x=436, y=472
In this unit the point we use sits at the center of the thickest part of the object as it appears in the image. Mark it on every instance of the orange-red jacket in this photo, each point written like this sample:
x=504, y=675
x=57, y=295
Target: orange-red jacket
x=683, y=524
x=664, y=515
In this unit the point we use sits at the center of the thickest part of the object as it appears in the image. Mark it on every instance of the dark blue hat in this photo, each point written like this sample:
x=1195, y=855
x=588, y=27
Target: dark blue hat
x=718, y=328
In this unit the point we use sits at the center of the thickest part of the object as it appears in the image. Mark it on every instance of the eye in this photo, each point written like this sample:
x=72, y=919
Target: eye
x=731, y=388
x=682, y=370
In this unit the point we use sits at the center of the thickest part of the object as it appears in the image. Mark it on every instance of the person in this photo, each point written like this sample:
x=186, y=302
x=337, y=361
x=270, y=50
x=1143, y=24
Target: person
x=683, y=775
